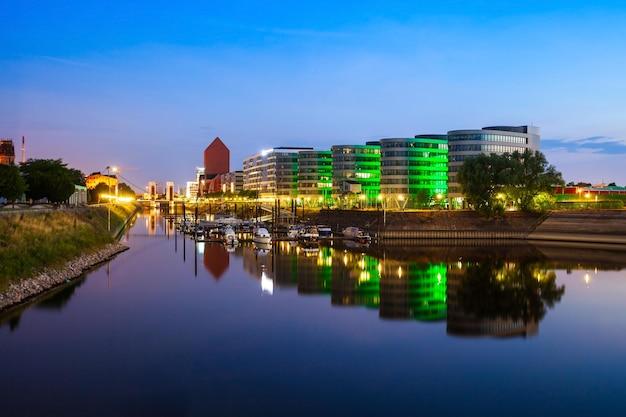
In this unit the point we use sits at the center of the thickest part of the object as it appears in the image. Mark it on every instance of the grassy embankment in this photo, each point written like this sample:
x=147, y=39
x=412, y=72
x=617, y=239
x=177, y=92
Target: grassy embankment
x=31, y=242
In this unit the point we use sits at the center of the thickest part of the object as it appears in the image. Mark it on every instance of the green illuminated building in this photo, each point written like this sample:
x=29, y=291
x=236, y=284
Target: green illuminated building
x=414, y=171
x=356, y=174
x=315, y=184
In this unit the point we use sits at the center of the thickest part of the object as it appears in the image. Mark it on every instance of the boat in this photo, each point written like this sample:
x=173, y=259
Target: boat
x=357, y=234
x=294, y=231
x=325, y=232
x=262, y=248
x=261, y=235
x=229, y=236
x=308, y=234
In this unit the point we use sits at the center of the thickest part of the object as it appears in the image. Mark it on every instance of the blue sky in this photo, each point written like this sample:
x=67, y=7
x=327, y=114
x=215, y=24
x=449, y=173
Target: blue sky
x=149, y=85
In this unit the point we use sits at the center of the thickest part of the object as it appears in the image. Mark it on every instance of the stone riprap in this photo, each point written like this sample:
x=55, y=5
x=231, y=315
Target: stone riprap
x=48, y=279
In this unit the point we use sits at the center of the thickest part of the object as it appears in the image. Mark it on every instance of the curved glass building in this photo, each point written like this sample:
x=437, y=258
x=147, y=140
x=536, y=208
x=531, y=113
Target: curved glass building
x=414, y=171
x=356, y=174
x=494, y=139
x=315, y=177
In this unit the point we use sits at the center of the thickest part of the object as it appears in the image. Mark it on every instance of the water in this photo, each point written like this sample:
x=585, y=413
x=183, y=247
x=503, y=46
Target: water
x=171, y=328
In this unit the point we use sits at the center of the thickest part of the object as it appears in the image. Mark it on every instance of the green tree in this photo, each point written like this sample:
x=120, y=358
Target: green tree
x=12, y=185
x=519, y=176
x=124, y=190
x=48, y=178
x=529, y=175
x=77, y=176
x=480, y=178
x=100, y=189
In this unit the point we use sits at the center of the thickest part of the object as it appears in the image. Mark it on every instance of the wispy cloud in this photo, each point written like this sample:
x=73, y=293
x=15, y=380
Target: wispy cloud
x=67, y=61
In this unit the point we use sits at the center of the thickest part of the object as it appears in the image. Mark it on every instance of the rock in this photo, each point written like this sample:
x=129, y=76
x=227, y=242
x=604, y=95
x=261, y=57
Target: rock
x=29, y=288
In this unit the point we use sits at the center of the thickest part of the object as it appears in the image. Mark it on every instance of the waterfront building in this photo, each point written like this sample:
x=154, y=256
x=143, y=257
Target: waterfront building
x=216, y=163
x=494, y=139
x=315, y=184
x=7, y=152
x=414, y=171
x=273, y=173
x=232, y=182
x=356, y=174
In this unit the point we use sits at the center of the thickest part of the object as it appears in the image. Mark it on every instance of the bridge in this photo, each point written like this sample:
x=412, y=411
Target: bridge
x=244, y=210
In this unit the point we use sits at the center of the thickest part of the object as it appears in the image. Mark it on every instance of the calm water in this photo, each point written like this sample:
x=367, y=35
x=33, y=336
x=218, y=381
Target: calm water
x=171, y=328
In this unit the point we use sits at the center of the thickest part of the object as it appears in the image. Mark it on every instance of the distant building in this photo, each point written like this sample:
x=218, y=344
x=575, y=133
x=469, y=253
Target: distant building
x=7, y=152
x=494, y=139
x=273, y=173
x=216, y=163
x=79, y=197
x=96, y=178
x=232, y=182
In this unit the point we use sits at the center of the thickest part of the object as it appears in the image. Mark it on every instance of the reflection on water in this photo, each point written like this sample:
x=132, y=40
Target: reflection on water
x=478, y=288
x=477, y=294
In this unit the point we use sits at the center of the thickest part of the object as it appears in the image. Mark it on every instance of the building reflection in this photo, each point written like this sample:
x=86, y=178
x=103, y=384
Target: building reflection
x=215, y=258
x=487, y=297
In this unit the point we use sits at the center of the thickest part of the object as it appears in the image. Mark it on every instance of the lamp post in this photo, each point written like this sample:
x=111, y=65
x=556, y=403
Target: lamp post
x=109, y=203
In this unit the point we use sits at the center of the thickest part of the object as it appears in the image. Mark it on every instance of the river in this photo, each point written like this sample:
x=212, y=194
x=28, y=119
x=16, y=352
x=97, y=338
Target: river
x=175, y=328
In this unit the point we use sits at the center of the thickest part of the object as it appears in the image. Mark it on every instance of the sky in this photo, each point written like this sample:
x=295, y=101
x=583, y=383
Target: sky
x=147, y=85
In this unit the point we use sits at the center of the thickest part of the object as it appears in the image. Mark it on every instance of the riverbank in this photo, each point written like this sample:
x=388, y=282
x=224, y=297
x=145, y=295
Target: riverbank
x=28, y=289
x=44, y=249
x=582, y=226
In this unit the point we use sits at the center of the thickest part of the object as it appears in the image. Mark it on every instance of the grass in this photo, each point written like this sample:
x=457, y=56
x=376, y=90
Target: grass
x=30, y=242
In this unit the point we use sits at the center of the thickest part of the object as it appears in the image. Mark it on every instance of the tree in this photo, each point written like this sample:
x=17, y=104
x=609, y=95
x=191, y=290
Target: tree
x=48, y=178
x=99, y=190
x=12, y=185
x=124, y=190
x=480, y=180
x=77, y=176
x=519, y=177
x=527, y=176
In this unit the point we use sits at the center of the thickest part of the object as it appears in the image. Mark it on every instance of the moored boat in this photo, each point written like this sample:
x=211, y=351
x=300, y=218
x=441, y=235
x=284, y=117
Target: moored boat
x=356, y=234
x=261, y=235
x=325, y=232
x=308, y=234
x=229, y=236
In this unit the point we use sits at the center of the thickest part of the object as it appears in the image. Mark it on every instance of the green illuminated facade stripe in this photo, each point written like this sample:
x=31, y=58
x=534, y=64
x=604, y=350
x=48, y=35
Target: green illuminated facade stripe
x=415, y=170
x=315, y=177
x=356, y=173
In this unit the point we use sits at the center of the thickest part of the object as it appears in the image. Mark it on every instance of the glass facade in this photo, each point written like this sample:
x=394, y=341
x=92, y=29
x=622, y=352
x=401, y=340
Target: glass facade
x=315, y=183
x=356, y=175
x=414, y=171
x=463, y=144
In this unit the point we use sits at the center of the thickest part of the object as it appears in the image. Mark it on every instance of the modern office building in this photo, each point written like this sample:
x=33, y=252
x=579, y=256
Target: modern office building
x=414, y=171
x=232, y=182
x=7, y=152
x=494, y=139
x=273, y=173
x=315, y=184
x=356, y=174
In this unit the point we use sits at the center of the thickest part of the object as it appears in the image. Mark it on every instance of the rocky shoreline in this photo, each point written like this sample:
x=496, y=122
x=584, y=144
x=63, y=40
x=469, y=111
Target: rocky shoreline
x=28, y=289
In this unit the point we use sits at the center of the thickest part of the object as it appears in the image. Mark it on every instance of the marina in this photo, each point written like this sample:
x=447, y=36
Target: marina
x=187, y=327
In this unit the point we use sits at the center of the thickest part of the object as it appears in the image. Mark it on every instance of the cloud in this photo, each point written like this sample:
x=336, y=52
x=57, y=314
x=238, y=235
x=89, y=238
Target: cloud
x=67, y=61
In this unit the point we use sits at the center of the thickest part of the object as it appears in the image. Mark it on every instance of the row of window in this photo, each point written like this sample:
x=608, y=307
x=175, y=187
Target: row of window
x=488, y=138
x=415, y=163
x=414, y=154
x=404, y=144
x=401, y=181
x=411, y=173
